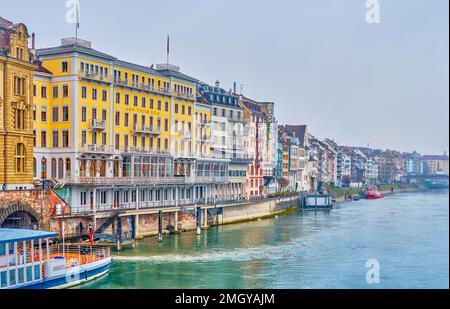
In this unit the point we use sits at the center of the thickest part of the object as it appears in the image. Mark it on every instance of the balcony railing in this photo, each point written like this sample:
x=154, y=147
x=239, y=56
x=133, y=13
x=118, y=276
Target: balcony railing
x=94, y=76
x=127, y=181
x=184, y=95
x=143, y=129
x=98, y=124
x=90, y=148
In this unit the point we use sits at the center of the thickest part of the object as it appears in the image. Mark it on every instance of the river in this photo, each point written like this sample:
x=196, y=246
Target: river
x=406, y=233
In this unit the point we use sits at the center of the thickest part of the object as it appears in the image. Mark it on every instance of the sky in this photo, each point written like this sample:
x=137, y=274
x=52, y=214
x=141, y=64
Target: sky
x=384, y=85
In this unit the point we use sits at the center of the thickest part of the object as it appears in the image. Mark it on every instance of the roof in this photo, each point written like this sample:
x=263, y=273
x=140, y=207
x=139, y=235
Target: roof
x=136, y=67
x=300, y=132
x=217, y=95
x=73, y=48
x=172, y=73
x=12, y=235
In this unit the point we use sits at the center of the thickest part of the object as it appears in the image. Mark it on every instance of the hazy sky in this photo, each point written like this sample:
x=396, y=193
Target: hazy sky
x=320, y=61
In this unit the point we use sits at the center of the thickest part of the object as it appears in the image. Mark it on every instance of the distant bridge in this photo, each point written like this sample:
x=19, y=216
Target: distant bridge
x=422, y=178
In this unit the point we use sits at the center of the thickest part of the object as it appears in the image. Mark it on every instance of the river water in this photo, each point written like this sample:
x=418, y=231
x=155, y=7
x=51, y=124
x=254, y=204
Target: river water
x=407, y=234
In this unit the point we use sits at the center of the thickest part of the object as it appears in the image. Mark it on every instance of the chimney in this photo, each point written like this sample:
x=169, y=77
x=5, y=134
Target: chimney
x=33, y=41
x=234, y=87
x=217, y=84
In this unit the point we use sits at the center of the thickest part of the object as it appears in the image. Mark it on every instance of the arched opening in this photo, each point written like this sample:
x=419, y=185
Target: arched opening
x=83, y=167
x=116, y=167
x=68, y=167
x=103, y=167
x=53, y=167
x=21, y=220
x=93, y=168
x=60, y=168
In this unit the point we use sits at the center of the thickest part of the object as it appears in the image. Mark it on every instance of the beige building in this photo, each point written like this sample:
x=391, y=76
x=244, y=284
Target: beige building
x=16, y=93
x=436, y=164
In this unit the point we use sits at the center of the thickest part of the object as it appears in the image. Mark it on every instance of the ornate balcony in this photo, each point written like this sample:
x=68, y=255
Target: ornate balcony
x=98, y=124
x=89, y=148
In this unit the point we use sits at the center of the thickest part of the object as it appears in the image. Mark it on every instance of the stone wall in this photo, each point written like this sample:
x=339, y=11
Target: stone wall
x=43, y=202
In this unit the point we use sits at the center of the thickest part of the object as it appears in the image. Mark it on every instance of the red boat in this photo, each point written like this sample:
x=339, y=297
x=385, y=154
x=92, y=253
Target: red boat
x=373, y=193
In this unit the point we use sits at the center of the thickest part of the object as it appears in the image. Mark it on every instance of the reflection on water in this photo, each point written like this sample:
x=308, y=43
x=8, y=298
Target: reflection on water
x=406, y=233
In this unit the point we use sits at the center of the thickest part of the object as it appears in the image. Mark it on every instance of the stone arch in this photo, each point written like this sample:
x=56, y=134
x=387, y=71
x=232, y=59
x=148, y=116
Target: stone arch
x=17, y=207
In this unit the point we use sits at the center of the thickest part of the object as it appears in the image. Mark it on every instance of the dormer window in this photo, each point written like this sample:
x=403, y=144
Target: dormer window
x=64, y=66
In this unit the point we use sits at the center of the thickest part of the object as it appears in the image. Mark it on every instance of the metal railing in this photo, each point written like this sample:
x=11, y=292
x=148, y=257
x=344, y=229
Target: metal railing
x=98, y=124
x=94, y=76
x=146, y=129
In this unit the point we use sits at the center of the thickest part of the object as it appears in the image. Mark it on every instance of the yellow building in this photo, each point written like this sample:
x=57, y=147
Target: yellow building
x=111, y=131
x=16, y=91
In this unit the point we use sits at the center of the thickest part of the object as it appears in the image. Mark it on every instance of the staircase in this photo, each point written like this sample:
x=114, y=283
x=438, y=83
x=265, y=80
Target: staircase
x=100, y=232
x=188, y=212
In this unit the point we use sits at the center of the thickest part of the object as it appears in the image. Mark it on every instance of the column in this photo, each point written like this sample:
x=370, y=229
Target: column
x=176, y=221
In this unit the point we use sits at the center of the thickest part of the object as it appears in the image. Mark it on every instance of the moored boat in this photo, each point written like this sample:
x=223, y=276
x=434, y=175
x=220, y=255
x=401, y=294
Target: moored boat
x=29, y=261
x=373, y=193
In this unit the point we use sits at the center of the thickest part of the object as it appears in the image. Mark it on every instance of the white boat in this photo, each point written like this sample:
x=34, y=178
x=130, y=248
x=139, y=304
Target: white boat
x=29, y=261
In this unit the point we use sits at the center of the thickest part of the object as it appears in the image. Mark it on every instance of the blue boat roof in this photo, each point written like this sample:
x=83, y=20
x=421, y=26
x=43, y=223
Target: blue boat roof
x=12, y=235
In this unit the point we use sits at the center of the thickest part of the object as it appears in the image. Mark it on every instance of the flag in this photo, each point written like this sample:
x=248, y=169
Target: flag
x=78, y=15
x=168, y=44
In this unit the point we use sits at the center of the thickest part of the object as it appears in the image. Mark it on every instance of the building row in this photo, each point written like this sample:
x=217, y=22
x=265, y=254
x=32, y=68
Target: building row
x=107, y=134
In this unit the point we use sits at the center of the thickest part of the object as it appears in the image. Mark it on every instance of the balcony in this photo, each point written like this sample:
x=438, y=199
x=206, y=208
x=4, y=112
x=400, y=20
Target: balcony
x=127, y=181
x=90, y=148
x=210, y=179
x=94, y=76
x=137, y=150
x=98, y=125
x=184, y=95
x=143, y=129
x=119, y=81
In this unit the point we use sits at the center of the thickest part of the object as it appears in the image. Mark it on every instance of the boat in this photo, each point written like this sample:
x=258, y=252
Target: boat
x=317, y=202
x=29, y=260
x=373, y=193
x=436, y=184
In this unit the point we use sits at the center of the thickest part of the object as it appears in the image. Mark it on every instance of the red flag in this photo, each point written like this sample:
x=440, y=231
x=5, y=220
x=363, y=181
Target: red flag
x=91, y=237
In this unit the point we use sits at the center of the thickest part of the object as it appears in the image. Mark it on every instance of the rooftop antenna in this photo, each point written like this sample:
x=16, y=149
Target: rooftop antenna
x=168, y=50
x=242, y=89
x=77, y=23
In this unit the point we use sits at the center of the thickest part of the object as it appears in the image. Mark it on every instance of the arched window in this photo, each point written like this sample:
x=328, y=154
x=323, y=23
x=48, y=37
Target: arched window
x=44, y=168
x=83, y=168
x=103, y=167
x=60, y=168
x=68, y=167
x=93, y=168
x=116, y=168
x=20, y=158
x=53, y=166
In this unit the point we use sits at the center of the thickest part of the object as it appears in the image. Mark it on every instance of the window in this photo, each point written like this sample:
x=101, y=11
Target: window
x=104, y=138
x=65, y=138
x=167, y=106
x=19, y=86
x=83, y=92
x=83, y=198
x=117, y=98
x=83, y=114
x=126, y=119
x=44, y=113
x=55, y=139
x=183, y=109
x=151, y=104
x=43, y=139
x=34, y=138
x=20, y=119
x=64, y=66
x=94, y=93
x=117, y=141
x=55, y=92
x=166, y=124
x=127, y=99
x=159, y=105
x=143, y=102
x=34, y=90
x=20, y=158
x=104, y=114
x=68, y=167
x=135, y=102
x=117, y=119
x=176, y=108
x=44, y=92
x=83, y=137
x=104, y=96
x=55, y=114
x=215, y=111
x=65, y=113
x=65, y=91
x=190, y=110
